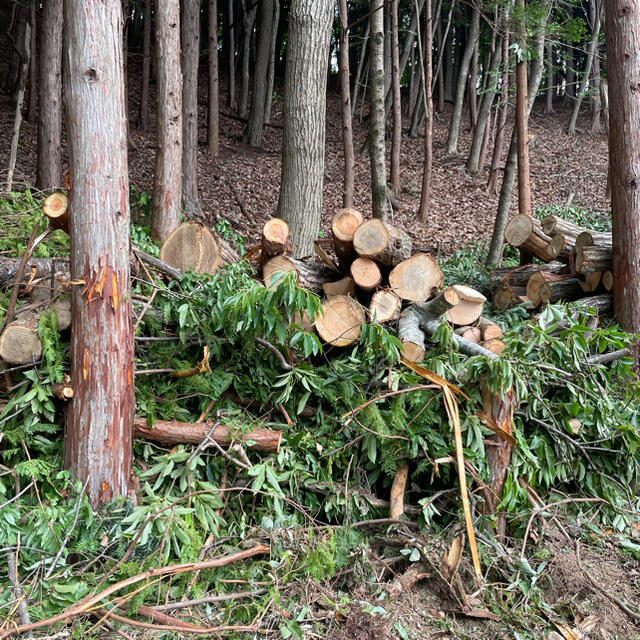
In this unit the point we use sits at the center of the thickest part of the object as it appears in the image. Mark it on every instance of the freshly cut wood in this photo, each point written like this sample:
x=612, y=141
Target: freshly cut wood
x=591, y=281
x=56, y=208
x=172, y=432
x=382, y=242
x=607, y=280
x=489, y=329
x=417, y=278
x=396, y=500
x=34, y=268
x=469, y=309
x=559, y=246
x=344, y=287
x=536, y=281
x=525, y=232
x=495, y=345
x=308, y=274
x=385, y=306
x=567, y=289
x=274, y=269
x=519, y=276
x=366, y=273
x=19, y=342
x=602, y=303
x=594, y=238
x=341, y=321
x=472, y=334
x=63, y=390
x=191, y=246
x=505, y=297
x=275, y=237
x=554, y=224
x=594, y=258
x=343, y=225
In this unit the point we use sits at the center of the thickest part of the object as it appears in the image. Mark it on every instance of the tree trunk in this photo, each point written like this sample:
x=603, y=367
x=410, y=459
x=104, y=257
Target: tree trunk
x=379, y=201
x=347, y=128
x=550, y=88
x=570, y=78
x=456, y=116
x=213, y=121
x=49, y=170
x=425, y=195
x=440, y=73
x=268, y=99
x=33, y=73
x=248, y=18
x=255, y=124
x=300, y=199
x=167, y=182
x=596, y=123
x=522, y=117
x=473, y=89
x=396, y=139
x=146, y=67
x=97, y=448
x=571, y=129
x=190, y=39
x=358, y=78
x=232, y=57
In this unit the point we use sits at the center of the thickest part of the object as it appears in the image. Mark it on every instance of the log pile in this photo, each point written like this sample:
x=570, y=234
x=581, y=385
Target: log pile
x=577, y=262
x=378, y=280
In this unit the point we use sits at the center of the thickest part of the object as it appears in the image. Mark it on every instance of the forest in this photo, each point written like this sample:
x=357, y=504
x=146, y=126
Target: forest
x=320, y=318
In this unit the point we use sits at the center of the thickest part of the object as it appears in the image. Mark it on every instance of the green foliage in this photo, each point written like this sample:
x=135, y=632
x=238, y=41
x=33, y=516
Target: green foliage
x=584, y=217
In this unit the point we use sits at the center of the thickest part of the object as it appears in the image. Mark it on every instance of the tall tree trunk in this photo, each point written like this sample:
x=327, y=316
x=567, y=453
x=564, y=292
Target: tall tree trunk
x=484, y=112
x=49, y=170
x=425, y=195
x=396, y=140
x=190, y=40
x=414, y=83
x=450, y=51
x=146, y=67
x=97, y=447
x=232, y=57
x=213, y=121
x=596, y=112
x=441, y=46
x=571, y=129
x=33, y=72
x=255, y=124
x=347, y=128
x=473, y=89
x=268, y=99
x=622, y=30
x=303, y=140
x=379, y=202
x=358, y=78
x=550, y=88
x=167, y=182
x=248, y=18
x=502, y=215
x=456, y=116
x=522, y=117
x=570, y=77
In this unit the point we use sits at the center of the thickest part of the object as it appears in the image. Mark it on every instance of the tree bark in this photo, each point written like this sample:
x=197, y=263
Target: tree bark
x=167, y=182
x=268, y=99
x=347, y=127
x=248, y=18
x=379, y=202
x=396, y=139
x=213, y=124
x=463, y=72
x=425, y=194
x=49, y=169
x=255, y=124
x=232, y=57
x=522, y=117
x=99, y=428
x=146, y=67
x=190, y=39
x=358, y=78
x=303, y=142
x=550, y=88
x=33, y=73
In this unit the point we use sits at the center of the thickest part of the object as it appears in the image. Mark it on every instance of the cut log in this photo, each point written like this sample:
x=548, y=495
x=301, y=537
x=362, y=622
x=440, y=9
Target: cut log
x=489, y=329
x=417, y=278
x=45, y=297
x=591, y=281
x=275, y=238
x=308, y=274
x=559, y=246
x=469, y=309
x=191, y=246
x=602, y=303
x=594, y=258
x=594, y=239
x=495, y=345
x=567, y=290
x=365, y=273
x=171, y=432
x=34, y=268
x=344, y=287
x=385, y=306
x=274, y=269
x=19, y=342
x=472, y=334
x=519, y=276
x=63, y=390
x=343, y=225
x=384, y=243
x=536, y=281
x=607, y=280
x=554, y=224
x=56, y=208
x=396, y=500
x=505, y=297
x=525, y=232
x=341, y=321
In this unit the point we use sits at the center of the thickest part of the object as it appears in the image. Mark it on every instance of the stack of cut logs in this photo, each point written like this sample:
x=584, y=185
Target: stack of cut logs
x=578, y=265
x=374, y=276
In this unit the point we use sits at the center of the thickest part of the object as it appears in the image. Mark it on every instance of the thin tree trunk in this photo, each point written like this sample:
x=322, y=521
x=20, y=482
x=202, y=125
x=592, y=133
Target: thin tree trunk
x=425, y=195
x=450, y=51
x=255, y=124
x=456, y=116
x=440, y=73
x=303, y=140
x=379, y=202
x=97, y=446
x=268, y=99
x=167, y=182
x=550, y=88
x=146, y=67
x=571, y=129
x=232, y=57
x=49, y=169
x=347, y=128
x=358, y=78
x=623, y=47
x=248, y=18
x=596, y=122
x=570, y=78
x=522, y=117
x=473, y=90
x=190, y=38
x=213, y=121
x=604, y=101
x=414, y=84
x=396, y=140
x=33, y=73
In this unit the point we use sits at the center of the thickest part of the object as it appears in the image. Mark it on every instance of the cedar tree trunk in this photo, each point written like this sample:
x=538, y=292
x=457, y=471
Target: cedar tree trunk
x=146, y=67
x=213, y=128
x=522, y=117
x=347, y=128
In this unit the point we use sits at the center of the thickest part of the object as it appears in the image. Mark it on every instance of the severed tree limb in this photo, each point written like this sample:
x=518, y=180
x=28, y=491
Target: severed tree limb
x=12, y=567
x=611, y=356
x=397, y=491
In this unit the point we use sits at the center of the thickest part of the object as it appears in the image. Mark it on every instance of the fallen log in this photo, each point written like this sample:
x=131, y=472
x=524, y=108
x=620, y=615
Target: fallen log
x=505, y=297
x=469, y=307
x=489, y=329
x=341, y=321
x=519, y=276
x=343, y=225
x=173, y=432
x=19, y=342
x=591, y=281
x=56, y=208
x=554, y=224
x=416, y=278
x=495, y=345
x=275, y=238
x=191, y=246
x=385, y=306
x=34, y=268
x=602, y=303
x=607, y=280
x=559, y=246
x=594, y=258
x=472, y=334
x=525, y=232
x=344, y=287
x=384, y=243
x=602, y=239
x=567, y=290
x=365, y=273
x=308, y=274
x=538, y=280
